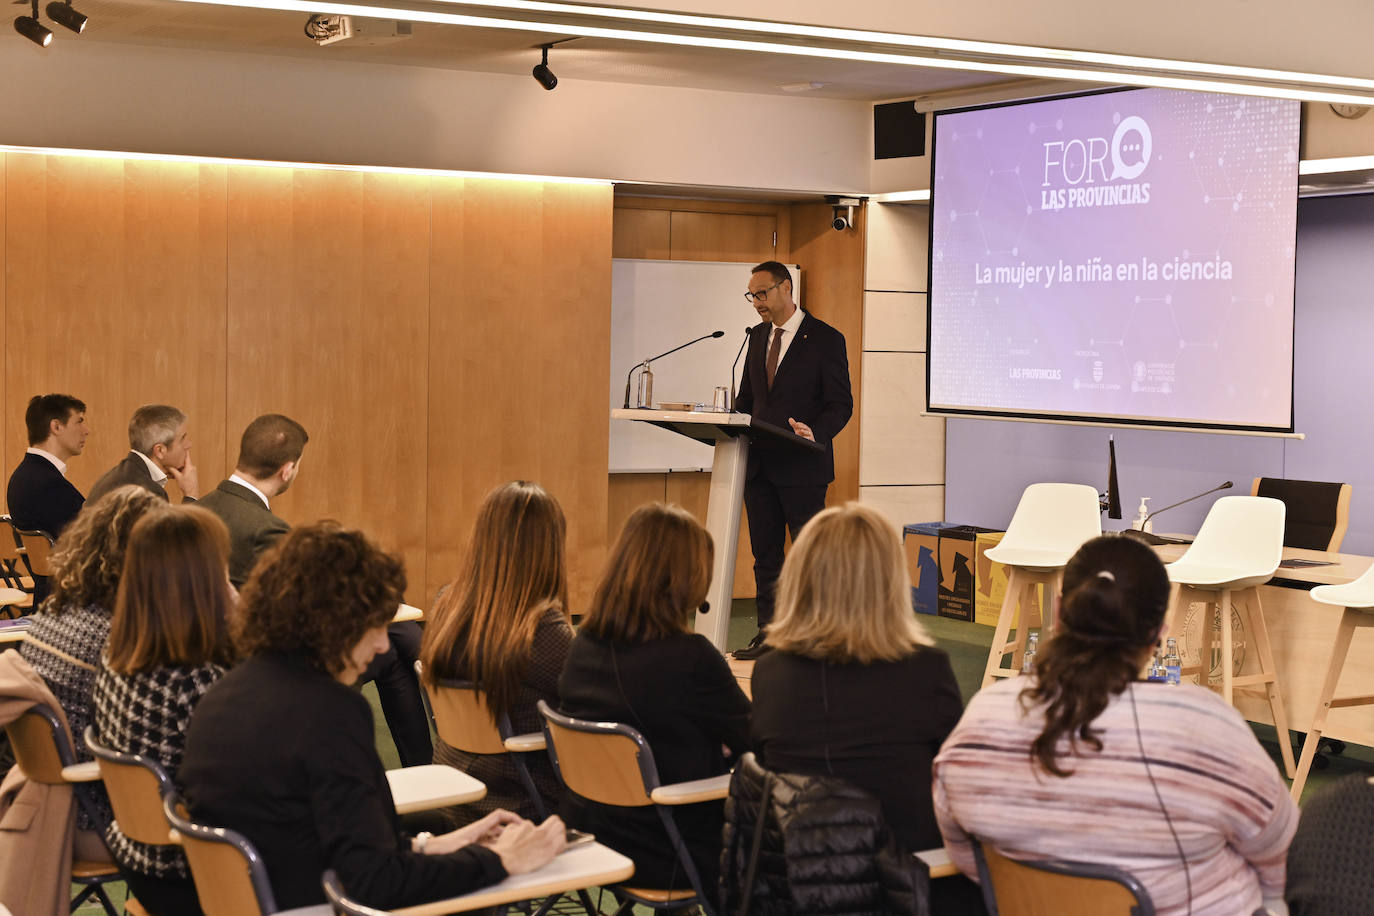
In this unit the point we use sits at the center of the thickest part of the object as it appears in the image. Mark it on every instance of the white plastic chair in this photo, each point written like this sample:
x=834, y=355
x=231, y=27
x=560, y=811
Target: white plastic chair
x=1357, y=600
x=1238, y=548
x=1051, y=522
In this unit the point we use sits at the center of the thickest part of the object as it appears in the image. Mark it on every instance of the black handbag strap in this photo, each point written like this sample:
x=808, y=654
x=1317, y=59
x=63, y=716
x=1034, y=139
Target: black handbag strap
x=755, y=845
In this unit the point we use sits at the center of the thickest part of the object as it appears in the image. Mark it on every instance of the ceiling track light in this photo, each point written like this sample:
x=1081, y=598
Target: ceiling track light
x=32, y=29
x=541, y=72
x=63, y=14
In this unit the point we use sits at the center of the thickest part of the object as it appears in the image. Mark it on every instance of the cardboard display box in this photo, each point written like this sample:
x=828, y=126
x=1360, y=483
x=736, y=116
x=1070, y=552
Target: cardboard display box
x=990, y=580
x=922, y=545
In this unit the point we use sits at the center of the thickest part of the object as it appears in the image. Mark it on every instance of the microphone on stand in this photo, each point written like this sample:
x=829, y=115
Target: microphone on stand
x=1226, y=486
x=645, y=366
x=733, y=366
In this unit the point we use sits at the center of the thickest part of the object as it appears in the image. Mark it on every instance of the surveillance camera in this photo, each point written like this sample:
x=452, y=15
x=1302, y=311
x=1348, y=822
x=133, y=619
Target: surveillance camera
x=843, y=208
x=841, y=222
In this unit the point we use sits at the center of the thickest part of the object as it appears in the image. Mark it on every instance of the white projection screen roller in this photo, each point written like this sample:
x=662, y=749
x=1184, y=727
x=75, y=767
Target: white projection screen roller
x=1123, y=256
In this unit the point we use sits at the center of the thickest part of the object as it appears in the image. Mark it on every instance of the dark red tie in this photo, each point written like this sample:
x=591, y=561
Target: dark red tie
x=774, y=351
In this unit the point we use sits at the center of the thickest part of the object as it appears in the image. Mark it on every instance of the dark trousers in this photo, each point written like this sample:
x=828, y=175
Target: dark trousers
x=399, y=690
x=773, y=512
x=163, y=896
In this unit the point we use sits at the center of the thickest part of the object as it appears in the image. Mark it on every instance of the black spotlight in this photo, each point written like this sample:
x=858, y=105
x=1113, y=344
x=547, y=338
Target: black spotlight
x=32, y=29
x=542, y=74
x=64, y=15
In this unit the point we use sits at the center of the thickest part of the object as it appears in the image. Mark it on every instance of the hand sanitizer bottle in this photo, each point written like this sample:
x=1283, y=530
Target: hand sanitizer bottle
x=1142, y=522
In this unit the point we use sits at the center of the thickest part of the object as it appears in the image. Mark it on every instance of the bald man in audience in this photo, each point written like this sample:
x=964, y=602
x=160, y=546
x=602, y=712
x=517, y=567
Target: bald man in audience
x=159, y=450
x=269, y=459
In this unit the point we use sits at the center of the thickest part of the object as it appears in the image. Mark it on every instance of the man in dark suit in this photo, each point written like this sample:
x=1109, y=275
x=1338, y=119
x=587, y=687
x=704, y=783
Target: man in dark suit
x=159, y=448
x=269, y=459
x=796, y=375
x=40, y=497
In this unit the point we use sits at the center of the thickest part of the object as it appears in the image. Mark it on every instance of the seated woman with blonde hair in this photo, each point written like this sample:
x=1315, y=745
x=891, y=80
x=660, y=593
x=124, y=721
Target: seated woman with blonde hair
x=854, y=687
x=503, y=624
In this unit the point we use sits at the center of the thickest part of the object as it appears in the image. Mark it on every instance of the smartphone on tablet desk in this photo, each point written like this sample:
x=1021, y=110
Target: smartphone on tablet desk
x=577, y=838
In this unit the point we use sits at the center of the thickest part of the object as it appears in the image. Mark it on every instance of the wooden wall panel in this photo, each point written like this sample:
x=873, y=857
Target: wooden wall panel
x=832, y=266
x=8, y=457
x=115, y=295
x=722, y=236
x=640, y=234
x=519, y=342
x=328, y=310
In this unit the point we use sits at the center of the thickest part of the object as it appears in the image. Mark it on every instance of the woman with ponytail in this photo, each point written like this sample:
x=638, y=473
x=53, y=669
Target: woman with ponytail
x=1084, y=761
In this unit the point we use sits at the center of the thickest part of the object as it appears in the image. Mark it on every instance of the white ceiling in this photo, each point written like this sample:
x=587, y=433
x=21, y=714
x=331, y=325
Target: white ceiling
x=224, y=28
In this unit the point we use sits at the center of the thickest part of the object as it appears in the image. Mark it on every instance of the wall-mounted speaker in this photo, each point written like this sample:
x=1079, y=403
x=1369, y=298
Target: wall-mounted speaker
x=899, y=130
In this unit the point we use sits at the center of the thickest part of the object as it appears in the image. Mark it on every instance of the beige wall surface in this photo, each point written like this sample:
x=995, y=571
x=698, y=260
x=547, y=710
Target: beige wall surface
x=1329, y=37
x=436, y=336
x=163, y=100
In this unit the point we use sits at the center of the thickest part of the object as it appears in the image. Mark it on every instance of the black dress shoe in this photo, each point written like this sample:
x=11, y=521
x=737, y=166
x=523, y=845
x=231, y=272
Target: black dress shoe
x=756, y=648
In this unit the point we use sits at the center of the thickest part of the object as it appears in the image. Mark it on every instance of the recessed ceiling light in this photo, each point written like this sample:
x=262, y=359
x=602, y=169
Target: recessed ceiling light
x=807, y=86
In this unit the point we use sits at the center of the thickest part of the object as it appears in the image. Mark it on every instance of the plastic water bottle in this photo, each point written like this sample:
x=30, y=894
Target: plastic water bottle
x=1028, y=660
x=1173, y=664
x=1156, y=671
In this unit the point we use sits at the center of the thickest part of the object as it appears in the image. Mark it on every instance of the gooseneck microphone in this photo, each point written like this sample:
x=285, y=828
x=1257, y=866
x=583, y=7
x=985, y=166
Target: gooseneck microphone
x=645, y=364
x=734, y=392
x=1226, y=486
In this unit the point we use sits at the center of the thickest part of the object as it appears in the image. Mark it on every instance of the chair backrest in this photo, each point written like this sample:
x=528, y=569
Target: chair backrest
x=137, y=786
x=40, y=743
x=606, y=762
x=230, y=877
x=338, y=899
x=1057, y=888
x=9, y=541
x=37, y=551
x=1054, y=517
x=1318, y=512
x=463, y=720
x=1241, y=532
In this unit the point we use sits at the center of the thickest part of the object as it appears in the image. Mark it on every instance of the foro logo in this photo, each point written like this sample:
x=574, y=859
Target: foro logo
x=1137, y=132
x=1084, y=160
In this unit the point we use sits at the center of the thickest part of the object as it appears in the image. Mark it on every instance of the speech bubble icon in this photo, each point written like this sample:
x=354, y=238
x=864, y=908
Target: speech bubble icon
x=1120, y=169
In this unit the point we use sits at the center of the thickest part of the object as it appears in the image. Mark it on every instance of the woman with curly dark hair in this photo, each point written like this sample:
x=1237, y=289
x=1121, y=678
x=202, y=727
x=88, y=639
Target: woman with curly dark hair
x=281, y=749
x=1084, y=761
x=70, y=630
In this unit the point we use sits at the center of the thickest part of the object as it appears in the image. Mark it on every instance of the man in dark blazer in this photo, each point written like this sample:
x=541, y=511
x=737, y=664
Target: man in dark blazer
x=269, y=458
x=159, y=448
x=40, y=497
x=795, y=376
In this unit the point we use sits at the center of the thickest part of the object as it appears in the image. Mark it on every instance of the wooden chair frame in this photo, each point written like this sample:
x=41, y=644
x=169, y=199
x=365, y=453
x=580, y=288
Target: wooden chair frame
x=1075, y=888
x=200, y=844
x=1352, y=619
x=137, y=786
x=45, y=755
x=612, y=764
x=11, y=556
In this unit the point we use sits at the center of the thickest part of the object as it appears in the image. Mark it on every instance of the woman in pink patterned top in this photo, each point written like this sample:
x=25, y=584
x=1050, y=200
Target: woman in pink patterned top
x=1085, y=762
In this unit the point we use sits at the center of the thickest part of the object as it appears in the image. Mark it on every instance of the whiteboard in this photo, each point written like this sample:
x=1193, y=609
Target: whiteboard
x=655, y=306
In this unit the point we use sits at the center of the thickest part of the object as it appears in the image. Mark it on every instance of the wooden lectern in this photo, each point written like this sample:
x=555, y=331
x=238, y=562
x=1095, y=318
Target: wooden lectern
x=730, y=434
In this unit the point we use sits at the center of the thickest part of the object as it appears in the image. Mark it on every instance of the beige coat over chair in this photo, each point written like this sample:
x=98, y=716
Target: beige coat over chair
x=37, y=821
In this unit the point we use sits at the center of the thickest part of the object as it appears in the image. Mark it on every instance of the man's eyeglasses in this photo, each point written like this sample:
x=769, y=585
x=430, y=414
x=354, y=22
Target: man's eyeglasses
x=762, y=295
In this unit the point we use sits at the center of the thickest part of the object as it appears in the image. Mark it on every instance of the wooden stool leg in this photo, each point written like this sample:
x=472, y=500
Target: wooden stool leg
x=1259, y=632
x=1227, y=650
x=1339, y=650
x=999, y=636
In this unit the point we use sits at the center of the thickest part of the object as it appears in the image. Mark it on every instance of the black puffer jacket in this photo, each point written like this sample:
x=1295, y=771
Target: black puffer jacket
x=825, y=850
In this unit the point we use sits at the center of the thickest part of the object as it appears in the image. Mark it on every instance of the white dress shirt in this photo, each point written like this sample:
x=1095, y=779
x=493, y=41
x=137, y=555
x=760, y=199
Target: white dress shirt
x=56, y=462
x=789, y=331
x=159, y=475
x=245, y=483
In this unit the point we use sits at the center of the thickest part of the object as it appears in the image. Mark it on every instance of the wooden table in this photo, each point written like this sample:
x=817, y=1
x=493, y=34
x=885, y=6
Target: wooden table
x=587, y=866
x=1302, y=632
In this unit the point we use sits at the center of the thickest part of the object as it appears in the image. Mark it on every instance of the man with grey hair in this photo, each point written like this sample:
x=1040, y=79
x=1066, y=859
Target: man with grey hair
x=160, y=447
